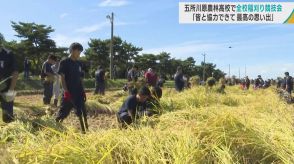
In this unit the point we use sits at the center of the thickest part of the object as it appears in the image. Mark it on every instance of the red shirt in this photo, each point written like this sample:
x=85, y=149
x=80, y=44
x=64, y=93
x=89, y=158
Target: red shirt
x=151, y=78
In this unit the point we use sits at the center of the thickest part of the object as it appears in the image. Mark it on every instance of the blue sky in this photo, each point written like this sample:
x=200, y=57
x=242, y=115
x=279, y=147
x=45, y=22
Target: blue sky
x=153, y=25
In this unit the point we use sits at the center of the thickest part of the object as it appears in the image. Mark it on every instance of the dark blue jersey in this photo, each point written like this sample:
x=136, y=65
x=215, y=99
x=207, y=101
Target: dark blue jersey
x=132, y=75
x=27, y=64
x=72, y=71
x=100, y=76
x=289, y=82
x=46, y=68
x=179, y=81
x=132, y=105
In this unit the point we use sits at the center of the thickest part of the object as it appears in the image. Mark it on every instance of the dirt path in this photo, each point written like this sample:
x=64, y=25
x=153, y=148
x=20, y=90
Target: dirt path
x=31, y=106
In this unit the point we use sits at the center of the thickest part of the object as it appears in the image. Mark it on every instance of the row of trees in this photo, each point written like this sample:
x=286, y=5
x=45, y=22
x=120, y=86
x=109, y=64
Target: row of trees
x=167, y=66
x=36, y=44
x=126, y=54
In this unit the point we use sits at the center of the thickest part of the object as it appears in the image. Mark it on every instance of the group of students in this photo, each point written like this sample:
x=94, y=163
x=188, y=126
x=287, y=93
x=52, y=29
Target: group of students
x=149, y=77
x=245, y=84
x=69, y=70
x=70, y=73
x=285, y=83
x=257, y=83
x=144, y=100
x=260, y=83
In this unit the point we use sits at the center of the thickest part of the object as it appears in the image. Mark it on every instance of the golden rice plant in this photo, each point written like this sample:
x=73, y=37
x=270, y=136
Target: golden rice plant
x=197, y=126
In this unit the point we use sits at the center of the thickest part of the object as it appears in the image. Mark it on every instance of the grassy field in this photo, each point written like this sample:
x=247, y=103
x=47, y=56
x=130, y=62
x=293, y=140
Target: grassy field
x=197, y=126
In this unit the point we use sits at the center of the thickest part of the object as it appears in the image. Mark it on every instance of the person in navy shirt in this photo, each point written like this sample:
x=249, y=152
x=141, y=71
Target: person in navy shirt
x=133, y=74
x=100, y=81
x=288, y=82
x=179, y=80
x=74, y=96
x=8, y=78
x=47, y=76
x=128, y=112
x=27, y=66
x=247, y=83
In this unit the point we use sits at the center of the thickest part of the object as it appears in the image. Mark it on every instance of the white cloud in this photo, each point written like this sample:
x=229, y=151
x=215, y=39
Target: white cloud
x=113, y=3
x=63, y=15
x=65, y=41
x=186, y=49
x=92, y=28
x=98, y=27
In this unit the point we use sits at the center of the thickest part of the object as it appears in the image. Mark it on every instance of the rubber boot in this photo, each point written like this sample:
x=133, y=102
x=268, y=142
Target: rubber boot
x=82, y=124
x=86, y=122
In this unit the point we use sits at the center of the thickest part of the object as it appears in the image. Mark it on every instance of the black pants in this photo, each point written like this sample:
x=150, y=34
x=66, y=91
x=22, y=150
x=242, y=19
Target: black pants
x=77, y=104
x=100, y=88
x=179, y=88
x=48, y=92
x=289, y=91
x=26, y=73
x=124, y=119
x=7, y=111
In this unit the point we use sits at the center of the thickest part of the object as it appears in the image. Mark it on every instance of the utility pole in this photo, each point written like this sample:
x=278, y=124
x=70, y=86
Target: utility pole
x=204, y=67
x=229, y=71
x=239, y=74
x=111, y=18
x=245, y=71
x=230, y=66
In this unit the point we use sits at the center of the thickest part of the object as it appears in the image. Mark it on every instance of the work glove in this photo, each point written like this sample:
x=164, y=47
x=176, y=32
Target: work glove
x=9, y=95
x=67, y=96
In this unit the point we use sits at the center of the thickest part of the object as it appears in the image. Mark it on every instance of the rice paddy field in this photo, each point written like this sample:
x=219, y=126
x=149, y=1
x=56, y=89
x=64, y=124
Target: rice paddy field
x=196, y=126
